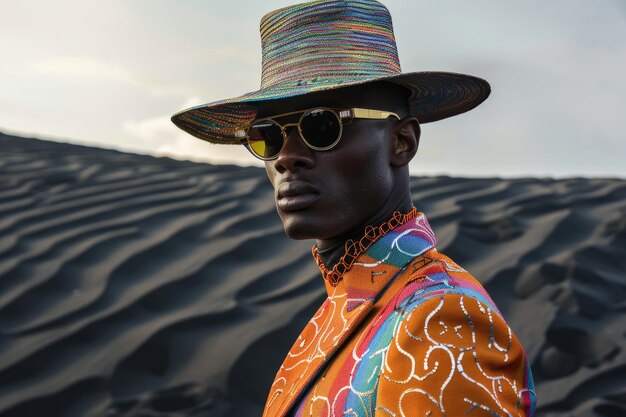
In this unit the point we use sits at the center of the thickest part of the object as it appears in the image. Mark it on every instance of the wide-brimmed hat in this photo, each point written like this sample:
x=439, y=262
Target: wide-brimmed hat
x=326, y=45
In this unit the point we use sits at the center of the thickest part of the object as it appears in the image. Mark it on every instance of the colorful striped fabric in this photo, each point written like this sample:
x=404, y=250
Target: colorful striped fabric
x=325, y=45
x=350, y=39
x=404, y=332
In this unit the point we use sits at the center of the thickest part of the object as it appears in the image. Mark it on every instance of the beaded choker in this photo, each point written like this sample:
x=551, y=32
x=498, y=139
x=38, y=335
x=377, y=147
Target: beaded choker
x=354, y=249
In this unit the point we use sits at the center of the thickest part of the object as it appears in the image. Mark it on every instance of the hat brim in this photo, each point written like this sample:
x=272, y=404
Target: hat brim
x=434, y=96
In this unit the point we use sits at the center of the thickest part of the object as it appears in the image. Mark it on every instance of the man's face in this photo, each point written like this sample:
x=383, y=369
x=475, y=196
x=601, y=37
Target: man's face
x=324, y=194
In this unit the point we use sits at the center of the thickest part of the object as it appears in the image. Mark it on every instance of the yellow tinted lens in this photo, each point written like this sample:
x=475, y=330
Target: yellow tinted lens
x=265, y=138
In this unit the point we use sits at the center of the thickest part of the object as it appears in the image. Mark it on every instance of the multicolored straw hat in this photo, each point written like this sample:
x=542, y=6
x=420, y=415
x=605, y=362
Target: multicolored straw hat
x=325, y=45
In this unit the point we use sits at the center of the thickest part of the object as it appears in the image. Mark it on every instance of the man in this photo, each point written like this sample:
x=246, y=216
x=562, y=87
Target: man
x=405, y=331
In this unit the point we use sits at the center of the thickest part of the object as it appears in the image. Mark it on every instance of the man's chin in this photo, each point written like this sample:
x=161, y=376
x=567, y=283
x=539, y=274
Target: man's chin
x=299, y=233
x=302, y=227
x=311, y=224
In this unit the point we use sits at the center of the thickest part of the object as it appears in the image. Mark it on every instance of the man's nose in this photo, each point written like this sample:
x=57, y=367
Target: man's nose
x=294, y=153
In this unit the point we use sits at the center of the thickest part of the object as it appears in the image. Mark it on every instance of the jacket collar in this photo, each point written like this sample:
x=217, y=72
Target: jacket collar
x=399, y=242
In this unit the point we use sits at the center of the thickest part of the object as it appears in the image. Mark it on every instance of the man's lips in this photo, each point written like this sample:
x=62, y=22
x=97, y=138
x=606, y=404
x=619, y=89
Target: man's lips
x=296, y=195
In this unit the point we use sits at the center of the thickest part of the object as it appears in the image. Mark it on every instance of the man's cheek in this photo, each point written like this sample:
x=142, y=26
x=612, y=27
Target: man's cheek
x=271, y=175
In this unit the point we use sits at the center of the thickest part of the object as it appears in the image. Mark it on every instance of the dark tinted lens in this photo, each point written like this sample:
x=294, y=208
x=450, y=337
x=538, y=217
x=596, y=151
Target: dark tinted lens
x=320, y=128
x=265, y=138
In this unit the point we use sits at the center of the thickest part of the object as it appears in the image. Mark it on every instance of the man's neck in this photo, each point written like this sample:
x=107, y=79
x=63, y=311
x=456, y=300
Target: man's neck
x=331, y=250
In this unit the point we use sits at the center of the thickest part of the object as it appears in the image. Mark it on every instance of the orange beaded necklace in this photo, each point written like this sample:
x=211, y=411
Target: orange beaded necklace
x=354, y=249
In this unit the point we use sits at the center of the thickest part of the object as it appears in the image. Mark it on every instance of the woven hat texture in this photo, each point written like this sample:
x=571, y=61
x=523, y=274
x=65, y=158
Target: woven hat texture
x=325, y=45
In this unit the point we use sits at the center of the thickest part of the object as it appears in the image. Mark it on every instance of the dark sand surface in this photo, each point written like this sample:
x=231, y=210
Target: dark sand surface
x=139, y=286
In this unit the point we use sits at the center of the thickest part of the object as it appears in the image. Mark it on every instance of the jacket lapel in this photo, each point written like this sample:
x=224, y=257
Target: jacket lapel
x=320, y=339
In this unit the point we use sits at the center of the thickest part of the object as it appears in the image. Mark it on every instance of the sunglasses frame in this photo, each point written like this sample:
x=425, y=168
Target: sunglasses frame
x=340, y=114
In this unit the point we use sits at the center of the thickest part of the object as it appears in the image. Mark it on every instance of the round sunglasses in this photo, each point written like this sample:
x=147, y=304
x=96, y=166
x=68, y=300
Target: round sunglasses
x=320, y=129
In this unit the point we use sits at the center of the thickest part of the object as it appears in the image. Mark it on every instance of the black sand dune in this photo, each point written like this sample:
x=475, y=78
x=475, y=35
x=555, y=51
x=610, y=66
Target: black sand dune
x=139, y=286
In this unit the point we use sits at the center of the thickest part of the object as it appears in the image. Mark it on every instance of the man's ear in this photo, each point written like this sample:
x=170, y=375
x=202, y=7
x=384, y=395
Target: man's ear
x=405, y=141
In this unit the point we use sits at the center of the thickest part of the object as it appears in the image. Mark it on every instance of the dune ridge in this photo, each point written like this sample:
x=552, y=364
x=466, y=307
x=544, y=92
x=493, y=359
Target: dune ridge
x=132, y=285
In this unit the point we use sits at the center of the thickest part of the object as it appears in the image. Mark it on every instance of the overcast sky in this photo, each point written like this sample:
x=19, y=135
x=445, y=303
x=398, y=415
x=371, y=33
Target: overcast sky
x=111, y=73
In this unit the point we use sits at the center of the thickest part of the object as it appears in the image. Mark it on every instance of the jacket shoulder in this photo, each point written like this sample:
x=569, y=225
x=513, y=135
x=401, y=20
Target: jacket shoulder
x=453, y=355
x=433, y=274
x=451, y=351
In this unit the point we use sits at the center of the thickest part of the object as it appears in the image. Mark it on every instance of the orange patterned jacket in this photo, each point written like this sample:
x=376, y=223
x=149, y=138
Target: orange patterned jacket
x=405, y=331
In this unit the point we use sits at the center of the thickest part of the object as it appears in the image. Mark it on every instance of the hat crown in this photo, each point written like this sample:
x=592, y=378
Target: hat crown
x=323, y=42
